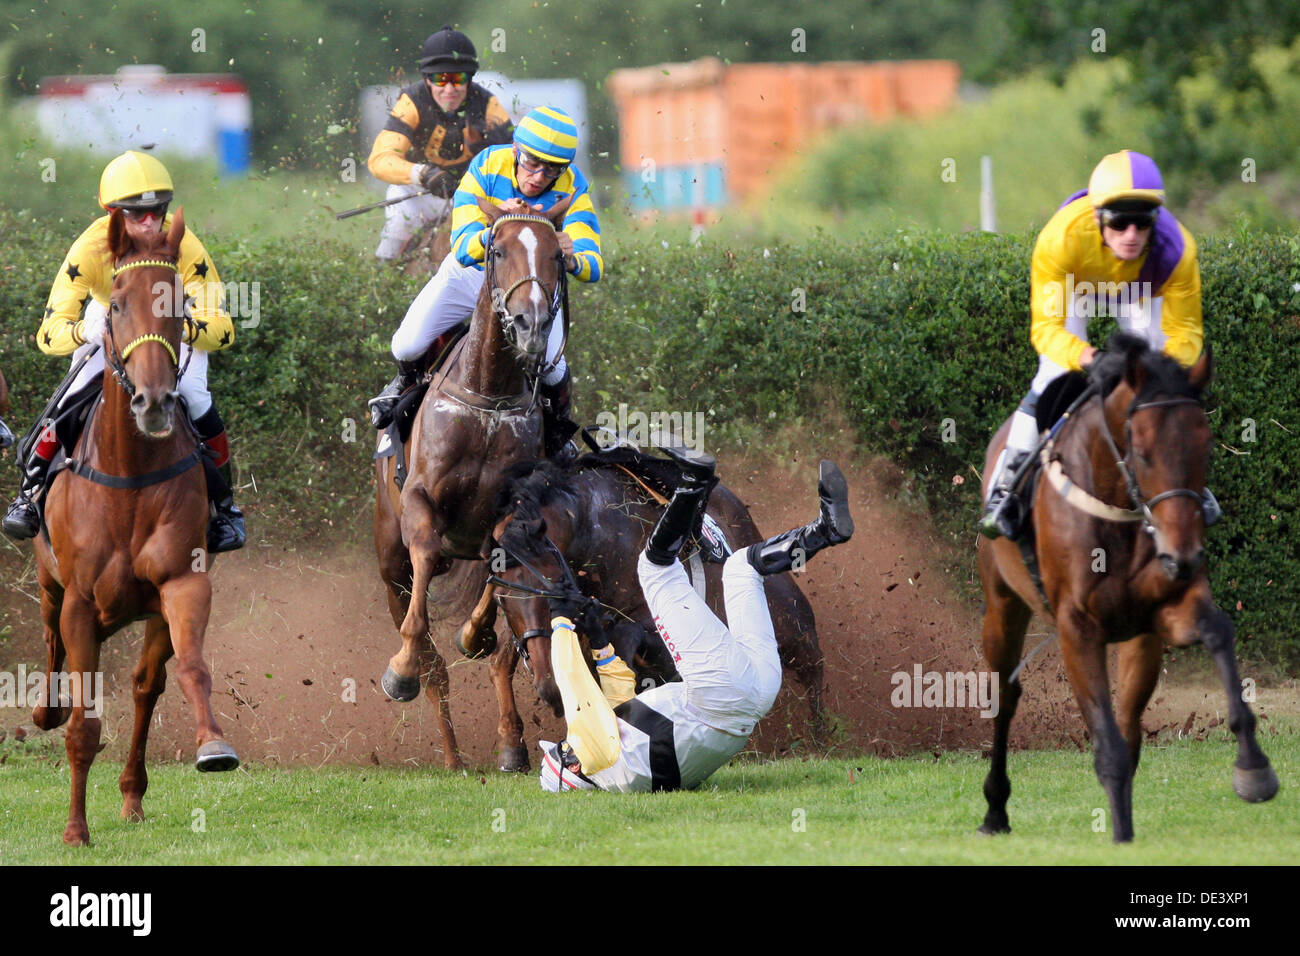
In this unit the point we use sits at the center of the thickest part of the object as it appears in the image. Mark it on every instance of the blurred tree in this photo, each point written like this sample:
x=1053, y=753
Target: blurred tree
x=1165, y=43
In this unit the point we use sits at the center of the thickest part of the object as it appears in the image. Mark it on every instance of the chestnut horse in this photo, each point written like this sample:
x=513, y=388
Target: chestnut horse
x=127, y=523
x=1122, y=483
x=597, y=518
x=477, y=418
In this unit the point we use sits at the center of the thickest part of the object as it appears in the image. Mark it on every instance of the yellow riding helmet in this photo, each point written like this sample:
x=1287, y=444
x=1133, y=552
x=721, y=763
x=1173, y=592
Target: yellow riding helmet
x=1126, y=175
x=134, y=180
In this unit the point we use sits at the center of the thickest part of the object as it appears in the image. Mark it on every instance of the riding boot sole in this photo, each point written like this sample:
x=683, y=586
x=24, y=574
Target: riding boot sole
x=833, y=489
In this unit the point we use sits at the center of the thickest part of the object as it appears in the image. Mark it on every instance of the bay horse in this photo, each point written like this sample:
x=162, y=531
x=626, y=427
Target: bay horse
x=597, y=518
x=127, y=523
x=477, y=418
x=1119, y=543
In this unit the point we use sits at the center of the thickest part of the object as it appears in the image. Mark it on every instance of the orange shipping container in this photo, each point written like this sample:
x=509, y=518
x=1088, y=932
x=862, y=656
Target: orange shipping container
x=702, y=133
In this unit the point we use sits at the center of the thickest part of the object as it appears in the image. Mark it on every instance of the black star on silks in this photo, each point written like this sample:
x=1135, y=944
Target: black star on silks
x=48, y=311
x=201, y=325
x=48, y=340
x=225, y=338
x=201, y=270
x=82, y=303
x=73, y=271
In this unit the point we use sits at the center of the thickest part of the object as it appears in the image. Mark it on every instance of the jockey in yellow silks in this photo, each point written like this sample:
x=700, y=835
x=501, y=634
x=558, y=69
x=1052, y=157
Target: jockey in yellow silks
x=140, y=186
x=1110, y=249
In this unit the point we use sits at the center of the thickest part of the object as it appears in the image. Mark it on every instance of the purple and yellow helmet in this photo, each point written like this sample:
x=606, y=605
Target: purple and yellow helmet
x=1126, y=176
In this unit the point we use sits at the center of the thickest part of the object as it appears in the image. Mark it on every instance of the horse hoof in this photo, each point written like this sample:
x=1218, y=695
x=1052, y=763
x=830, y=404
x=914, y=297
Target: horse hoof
x=1255, y=786
x=77, y=834
x=484, y=650
x=216, y=755
x=48, y=718
x=400, y=688
x=133, y=812
x=514, y=760
x=993, y=829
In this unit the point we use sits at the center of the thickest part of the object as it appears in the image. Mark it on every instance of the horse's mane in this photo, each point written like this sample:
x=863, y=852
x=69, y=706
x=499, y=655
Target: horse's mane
x=526, y=488
x=1164, y=376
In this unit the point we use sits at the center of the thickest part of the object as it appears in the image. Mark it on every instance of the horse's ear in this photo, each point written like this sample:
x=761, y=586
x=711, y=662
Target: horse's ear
x=556, y=212
x=1201, y=373
x=176, y=233
x=536, y=528
x=119, y=243
x=490, y=209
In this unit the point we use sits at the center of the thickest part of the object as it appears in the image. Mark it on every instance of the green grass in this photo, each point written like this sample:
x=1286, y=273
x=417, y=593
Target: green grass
x=915, y=810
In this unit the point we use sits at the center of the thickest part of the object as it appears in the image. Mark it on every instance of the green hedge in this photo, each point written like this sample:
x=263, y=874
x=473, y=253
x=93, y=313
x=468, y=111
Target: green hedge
x=898, y=333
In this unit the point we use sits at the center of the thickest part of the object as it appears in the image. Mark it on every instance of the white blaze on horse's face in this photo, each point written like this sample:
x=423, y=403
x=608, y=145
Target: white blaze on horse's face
x=531, y=322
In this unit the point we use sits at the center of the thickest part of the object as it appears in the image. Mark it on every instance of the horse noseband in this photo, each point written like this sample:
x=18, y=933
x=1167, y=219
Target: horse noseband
x=117, y=359
x=1139, y=500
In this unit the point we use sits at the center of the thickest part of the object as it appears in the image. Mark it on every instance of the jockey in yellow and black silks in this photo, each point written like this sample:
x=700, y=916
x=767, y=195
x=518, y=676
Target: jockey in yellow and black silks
x=433, y=131
x=140, y=186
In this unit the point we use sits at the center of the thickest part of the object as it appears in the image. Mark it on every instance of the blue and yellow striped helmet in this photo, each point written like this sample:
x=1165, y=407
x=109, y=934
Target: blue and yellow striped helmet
x=548, y=133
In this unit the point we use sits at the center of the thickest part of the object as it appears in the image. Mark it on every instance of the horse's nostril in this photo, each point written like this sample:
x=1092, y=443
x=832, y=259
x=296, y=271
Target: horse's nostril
x=138, y=402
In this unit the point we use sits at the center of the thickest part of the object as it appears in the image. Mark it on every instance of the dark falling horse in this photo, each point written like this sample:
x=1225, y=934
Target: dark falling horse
x=1122, y=480
x=477, y=418
x=598, y=517
x=127, y=526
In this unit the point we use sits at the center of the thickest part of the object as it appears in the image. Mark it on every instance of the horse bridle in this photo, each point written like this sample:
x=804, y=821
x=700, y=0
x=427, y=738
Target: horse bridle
x=1123, y=462
x=117, y=359
x=559, y=296
x=549, y=589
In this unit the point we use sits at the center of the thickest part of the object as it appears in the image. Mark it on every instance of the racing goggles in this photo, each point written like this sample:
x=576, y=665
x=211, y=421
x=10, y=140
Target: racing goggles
x=455, y=79
x=531, y=164
x=135, y=213
x=1121, y=219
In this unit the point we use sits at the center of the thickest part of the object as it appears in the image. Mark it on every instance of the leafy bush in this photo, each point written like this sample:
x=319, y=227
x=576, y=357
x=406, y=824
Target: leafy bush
x=905, y=332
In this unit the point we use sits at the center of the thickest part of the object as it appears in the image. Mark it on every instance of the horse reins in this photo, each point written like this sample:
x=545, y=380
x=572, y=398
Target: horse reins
x=1139, y=500
x=117, y=359
x=559, y=296
x=548, y=590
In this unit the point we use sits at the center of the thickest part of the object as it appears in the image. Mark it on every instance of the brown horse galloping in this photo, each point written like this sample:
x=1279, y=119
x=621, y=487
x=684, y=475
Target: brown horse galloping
x=127, y=525
x=476, y=419
x=1123, y=481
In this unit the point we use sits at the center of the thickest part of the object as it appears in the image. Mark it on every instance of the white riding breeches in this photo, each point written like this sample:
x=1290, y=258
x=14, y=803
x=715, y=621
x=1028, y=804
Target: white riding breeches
x=447, y=300
x=402, y=219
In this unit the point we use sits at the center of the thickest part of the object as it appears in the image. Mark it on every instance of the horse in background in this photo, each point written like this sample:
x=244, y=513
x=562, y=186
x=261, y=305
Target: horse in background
x=1123, y=478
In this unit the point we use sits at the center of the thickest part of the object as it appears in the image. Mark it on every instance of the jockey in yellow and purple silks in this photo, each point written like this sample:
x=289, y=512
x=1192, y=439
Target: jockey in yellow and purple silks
x=532, y=175
x=1110, y=249
x=141, y=187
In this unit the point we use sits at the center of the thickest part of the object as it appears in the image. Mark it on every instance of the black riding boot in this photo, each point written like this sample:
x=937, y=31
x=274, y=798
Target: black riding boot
x=23, y=521
x=557, y=426
x=687, y=505
x=833, y=526
x=1004, y=514
x=381, y=406
x=226, y=531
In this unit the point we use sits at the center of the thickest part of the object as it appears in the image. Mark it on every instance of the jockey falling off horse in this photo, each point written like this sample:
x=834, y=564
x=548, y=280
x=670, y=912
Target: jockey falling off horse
x=436, y=127
x=1110, y=249
x=528, y=177
x=140, y=186
x=674, y=736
